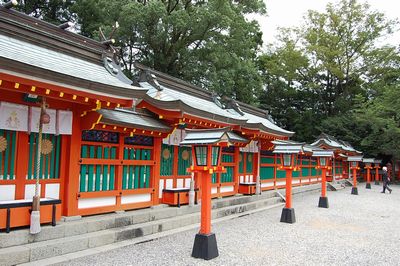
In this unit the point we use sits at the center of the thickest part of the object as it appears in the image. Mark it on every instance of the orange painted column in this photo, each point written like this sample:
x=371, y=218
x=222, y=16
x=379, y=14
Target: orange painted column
x=289, y=188
x=354, y=177
x=376, y=174
x=22, y=165
x=323, y=183
x=236, y=169
x=368, y=175
x=156, y=170
x=72, y=178
x=205, y=227
x=118, y=175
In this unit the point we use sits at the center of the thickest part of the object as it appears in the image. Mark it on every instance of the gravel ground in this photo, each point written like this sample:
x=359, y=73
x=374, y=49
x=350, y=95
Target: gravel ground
x=355, y=230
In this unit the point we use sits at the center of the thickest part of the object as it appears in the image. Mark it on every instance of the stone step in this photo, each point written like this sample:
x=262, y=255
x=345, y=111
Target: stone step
x=348, y=182
x=66, y=259
x=74, y=243
x=115, y=220
x=335, y=186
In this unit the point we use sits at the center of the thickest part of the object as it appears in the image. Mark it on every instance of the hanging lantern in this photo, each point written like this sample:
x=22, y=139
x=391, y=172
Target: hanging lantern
x=44, y=118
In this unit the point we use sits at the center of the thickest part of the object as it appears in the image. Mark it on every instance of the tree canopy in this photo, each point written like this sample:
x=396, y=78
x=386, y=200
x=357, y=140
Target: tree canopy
x=330, y=74
x=208, y=43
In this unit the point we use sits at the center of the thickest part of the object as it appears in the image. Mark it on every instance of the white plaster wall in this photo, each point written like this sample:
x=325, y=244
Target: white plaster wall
x=179, y=183
x=30, y=190
x=96, y=202
x=52, y=191
x=267, y=184
x=126, y=199
x=161, y=187
x=7, y=192
x=226, y=189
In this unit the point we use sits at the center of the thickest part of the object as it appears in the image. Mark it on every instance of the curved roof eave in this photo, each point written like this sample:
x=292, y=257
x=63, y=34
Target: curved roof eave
x=268, y=130
x=178, y=105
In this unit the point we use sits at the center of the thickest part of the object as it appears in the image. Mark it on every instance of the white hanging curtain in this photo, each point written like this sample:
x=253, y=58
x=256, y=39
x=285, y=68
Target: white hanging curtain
x=18, y=117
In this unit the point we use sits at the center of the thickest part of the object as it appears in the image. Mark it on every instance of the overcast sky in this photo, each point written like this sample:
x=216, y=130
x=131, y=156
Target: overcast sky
x=288, y=13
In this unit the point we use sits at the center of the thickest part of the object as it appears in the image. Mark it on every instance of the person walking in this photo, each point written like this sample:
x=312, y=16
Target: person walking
x=386, y=179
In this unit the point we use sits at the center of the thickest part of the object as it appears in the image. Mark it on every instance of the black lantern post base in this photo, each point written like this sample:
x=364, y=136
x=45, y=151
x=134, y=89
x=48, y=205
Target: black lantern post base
x=368, y=186
x=205, y=246
x=354, y=191
x=288, y=216
x=376, y=182
x=323, y=202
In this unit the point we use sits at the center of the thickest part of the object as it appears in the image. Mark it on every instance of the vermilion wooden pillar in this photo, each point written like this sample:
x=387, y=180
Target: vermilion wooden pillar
x=323, y=200
x=205, y=243
x=205, y=227
x=236, y=169
x=289, y=177
x=72, y=178
x=368, y=185
x=156, y=170
x=288, y=215
x=376, y=174
x=22, y=161
x=354, y=190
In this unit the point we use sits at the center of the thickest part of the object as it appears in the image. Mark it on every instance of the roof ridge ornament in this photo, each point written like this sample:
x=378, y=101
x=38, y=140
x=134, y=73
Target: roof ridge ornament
x=66, y=25
x=216, y=99
x=145, y=75
x=109, y=42
x=232, y=104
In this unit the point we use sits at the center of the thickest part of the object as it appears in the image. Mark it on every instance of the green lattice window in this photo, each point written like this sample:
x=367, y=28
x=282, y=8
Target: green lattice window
x=8, y=140
x=214, y=178
x=280, y=173
x=50, y=156
x=305, y=171
x=246, y=159
x=136, y=176
x=241, y=162
x=184, y=160
x=167, y=160
x=266, y=173
x=97, y=177
x=228, y=176
x=249, y=162
x=269, y=160
x=313, y=171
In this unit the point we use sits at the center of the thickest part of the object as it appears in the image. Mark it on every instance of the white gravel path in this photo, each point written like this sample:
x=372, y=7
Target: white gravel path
x=355, y=230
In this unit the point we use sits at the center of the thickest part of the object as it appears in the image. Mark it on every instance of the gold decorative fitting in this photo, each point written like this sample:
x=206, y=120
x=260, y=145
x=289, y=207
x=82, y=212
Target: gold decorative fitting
x=33, y=88
x=3, y=144
x=16, y=85
x=47, y=147
x=166, y=154
x=185, y=155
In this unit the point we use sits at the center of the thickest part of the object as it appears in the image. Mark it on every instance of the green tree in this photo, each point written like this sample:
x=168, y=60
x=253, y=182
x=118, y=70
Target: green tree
x=209, y=43
x=53, y=11
x=325, y=63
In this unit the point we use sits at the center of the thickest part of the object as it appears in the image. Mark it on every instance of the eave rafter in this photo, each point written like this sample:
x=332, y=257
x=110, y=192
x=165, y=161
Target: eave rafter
x=91, y=100
x=92, y=121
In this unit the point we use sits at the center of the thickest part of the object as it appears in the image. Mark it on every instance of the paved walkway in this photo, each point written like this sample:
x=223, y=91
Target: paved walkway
x=355, y=230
